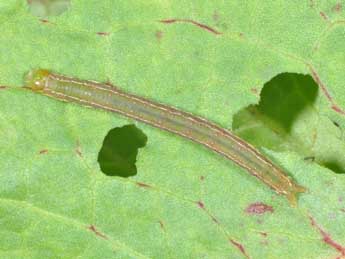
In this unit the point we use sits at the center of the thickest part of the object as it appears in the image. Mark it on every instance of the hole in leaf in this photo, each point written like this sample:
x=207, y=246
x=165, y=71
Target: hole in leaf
x=334, y=166
x=44, y=8
x=118, y=154
x=288, y=118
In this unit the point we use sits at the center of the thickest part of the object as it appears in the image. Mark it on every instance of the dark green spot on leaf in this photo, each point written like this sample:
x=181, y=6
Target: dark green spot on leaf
x=118, y=154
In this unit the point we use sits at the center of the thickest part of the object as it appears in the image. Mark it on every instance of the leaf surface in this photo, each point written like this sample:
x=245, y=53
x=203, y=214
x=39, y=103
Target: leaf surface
x=205, y=57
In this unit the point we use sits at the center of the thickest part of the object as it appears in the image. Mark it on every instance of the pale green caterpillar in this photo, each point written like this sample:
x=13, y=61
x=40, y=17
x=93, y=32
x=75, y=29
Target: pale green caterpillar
x=200, y=130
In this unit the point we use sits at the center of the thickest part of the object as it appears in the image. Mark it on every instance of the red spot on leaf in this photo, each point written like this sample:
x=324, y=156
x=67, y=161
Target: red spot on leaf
x=258, y=208
x=144, y=185
x=202, y=178
x=327, y=238
x=45, y=21
x=342, y=209
x=102, y=33
x=323, y=87
x=200, y=204
x=97, y=233
x=324, y=16
x=43, y=151
x=200, y=25
x=240, y=247
x=2, y=87
x=337, y=8
x=325, y=90
x=337, y=109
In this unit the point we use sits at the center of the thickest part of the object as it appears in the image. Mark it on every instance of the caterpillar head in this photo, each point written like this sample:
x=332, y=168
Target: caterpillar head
x=37, y=79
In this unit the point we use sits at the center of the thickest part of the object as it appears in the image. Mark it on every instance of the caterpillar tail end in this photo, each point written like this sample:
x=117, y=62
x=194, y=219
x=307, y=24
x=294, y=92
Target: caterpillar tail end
x=293, y=193
x=36, y=79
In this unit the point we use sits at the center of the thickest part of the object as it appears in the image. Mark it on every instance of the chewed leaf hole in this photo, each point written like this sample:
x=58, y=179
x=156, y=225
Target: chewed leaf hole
x=287, y=118
x=119, y=151
x=45, y=8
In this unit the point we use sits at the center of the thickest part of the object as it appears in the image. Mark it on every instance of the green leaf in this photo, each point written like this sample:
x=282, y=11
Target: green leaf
x=184, y=201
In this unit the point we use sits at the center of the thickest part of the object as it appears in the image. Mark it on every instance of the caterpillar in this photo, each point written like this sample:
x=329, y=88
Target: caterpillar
x=197, y=129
